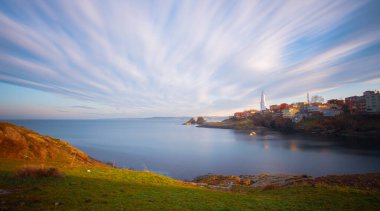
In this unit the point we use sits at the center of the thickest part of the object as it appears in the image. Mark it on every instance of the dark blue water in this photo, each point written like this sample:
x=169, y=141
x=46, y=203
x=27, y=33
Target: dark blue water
x=165, y=146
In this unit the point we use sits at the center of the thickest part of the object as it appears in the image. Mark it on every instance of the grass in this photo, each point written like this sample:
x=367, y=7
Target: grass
x=106, y=188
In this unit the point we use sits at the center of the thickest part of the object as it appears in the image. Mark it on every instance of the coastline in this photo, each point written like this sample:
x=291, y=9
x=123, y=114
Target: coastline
x=243, y=125
x=230, y=124
x=367, y=181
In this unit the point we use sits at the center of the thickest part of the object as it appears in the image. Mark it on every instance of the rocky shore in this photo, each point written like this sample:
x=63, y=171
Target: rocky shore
x=245, y=124
x=248, y=124
x=195, y=121
x=370, y=181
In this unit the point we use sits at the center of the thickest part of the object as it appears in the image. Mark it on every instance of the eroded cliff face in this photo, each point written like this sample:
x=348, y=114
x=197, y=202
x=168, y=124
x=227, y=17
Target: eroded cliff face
x=20, y=143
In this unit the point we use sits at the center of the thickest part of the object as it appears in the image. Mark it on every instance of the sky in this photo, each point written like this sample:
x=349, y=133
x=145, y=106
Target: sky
x=79, y=59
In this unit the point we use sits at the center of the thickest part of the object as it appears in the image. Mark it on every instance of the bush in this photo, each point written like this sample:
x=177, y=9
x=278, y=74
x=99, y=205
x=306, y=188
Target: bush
x=38, y=172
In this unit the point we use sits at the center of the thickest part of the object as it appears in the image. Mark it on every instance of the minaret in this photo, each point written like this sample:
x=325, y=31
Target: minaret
x=262, y=103
x=308, y=104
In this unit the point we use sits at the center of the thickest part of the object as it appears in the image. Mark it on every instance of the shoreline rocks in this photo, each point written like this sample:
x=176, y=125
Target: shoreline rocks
x=195, y=120
x=260, y=181
x=273, y=181
x=231, y=123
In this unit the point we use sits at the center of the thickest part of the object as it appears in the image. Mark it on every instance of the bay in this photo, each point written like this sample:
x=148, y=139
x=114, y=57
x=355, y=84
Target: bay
x=164, y=146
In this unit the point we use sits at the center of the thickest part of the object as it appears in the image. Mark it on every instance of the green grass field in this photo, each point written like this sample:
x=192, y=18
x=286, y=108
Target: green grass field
x=106, y=188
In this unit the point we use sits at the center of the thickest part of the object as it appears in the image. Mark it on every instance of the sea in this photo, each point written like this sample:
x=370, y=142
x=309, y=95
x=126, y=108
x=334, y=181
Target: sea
x=165, y=146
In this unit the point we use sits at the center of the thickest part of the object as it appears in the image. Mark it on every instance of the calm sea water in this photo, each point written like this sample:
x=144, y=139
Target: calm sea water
x=165, y=146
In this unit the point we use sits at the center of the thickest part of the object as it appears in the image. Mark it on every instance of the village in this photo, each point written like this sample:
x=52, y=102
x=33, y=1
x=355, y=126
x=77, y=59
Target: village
x=367, y=104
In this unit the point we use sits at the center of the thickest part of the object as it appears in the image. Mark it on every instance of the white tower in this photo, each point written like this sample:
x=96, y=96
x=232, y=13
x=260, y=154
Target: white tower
x=263, y=106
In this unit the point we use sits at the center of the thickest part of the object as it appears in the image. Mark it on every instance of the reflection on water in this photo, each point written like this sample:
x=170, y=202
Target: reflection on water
x=167, y=147
x=293, y=146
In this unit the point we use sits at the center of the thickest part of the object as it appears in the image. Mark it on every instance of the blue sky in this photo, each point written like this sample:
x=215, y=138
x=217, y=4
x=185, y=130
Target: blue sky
x=106, y=59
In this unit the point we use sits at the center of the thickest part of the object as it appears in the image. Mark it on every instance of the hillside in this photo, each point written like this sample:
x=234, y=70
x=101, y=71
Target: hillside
x=91, y=185
x=19, y=143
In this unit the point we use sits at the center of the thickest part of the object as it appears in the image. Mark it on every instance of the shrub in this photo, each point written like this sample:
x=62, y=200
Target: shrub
x=38, y=172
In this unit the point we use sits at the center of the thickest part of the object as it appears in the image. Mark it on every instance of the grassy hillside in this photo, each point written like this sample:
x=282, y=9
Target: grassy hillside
x=92, y=186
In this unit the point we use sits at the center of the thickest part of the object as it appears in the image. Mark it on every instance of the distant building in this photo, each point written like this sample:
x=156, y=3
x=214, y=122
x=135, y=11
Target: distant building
x=239, y=115
x=289, y=112
x=299, y=104
x=331, y=112
x=313, y=108
x=250, y=112
x=275, y=108
x=244, y=114
x=335, y=104
x=284, y=106
x=355, y=104
x=372, y=101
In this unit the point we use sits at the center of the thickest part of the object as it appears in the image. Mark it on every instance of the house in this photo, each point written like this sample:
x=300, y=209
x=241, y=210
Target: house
x=289, y=112
x=313, y=108
x=244, y=114
x=275, y=108
x=331, y=112
x=355, y=104
x=372, y=101
x=239, y=115
x=335, y=104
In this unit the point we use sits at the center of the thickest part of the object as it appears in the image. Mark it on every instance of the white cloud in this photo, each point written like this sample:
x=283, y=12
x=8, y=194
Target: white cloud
x=176, y=57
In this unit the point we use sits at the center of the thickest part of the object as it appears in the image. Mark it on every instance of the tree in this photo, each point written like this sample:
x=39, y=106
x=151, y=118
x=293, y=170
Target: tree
x=317, y=99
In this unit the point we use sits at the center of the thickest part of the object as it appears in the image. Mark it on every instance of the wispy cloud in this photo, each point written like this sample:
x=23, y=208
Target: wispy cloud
x=82, y=107
x=187, y=57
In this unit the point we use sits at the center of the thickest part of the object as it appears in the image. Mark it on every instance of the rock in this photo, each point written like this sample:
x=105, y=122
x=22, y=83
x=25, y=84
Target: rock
x=191, y=121
x=262, y=181
x=200, y=120
x=57, y=204
x=195, y=120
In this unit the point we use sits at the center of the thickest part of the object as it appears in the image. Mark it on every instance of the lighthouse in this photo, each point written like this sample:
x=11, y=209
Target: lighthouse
x=263, y=106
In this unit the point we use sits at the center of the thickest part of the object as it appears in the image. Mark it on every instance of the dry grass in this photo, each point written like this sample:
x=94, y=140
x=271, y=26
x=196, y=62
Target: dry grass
x=38, y=171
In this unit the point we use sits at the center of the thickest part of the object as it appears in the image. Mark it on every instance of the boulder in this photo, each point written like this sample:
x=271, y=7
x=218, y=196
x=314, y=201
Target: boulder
x=195, y=120
x=200, y=120
x=191, y=121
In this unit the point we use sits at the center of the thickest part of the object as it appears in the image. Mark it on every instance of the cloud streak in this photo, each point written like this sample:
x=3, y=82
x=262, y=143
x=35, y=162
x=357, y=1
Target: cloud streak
x=186, y=57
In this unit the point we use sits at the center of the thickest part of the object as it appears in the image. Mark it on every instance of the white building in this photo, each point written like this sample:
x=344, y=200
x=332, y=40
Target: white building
x=331, y=112
x=372, y=101
x=263, y=106
x=314, y=109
